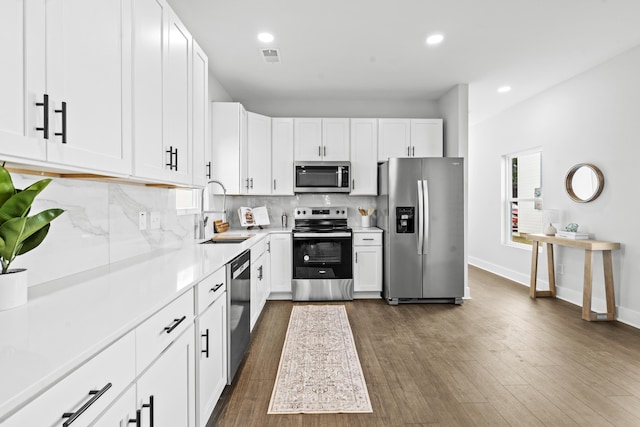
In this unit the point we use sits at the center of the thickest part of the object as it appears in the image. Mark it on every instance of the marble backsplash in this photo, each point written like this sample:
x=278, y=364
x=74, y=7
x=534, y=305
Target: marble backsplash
x=99, y=226
x=277, y=205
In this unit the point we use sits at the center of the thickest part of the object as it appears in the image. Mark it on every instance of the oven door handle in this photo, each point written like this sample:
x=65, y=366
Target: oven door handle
x=323, y=235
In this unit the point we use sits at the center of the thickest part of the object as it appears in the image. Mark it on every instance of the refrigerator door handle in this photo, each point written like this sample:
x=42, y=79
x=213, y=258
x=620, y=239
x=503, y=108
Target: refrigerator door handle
x=420, y=217
x=425, y=217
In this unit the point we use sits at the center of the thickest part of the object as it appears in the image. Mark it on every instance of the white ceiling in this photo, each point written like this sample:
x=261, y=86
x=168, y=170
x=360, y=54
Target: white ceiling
x=375, y=49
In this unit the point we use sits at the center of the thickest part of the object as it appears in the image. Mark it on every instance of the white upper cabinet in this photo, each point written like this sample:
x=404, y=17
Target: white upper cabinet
x=409, y=138
x=282, y=156
x=161, y=93
x=19, y=114
x=228, y=135
x=257, y=175
x=426, y=138
x=321, y=139
x=201, y=145
x=364, y=157
x=76, y=53
x=394, y=138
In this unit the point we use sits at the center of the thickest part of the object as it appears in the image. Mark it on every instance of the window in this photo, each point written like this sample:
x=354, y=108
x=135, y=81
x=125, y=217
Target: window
x=523, y=202
x=187, y=201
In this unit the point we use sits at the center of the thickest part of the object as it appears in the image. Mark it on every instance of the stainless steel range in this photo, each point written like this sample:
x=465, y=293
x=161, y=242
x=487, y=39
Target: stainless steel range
x=322, y=255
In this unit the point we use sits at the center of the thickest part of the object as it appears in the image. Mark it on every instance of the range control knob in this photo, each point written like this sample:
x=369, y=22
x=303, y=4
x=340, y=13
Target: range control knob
x=337, y=212
x=304, y=212
x=298, y=212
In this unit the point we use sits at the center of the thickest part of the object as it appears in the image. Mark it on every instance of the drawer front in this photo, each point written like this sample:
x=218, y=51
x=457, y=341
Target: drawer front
x=367, y=239
x=258, y=249
x=211, y=288
x=84, y=393
x=161, y=329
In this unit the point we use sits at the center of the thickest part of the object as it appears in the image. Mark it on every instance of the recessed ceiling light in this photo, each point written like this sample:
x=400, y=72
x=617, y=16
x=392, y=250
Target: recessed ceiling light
x=504, y=89
x=265, y=37
x=435, y=39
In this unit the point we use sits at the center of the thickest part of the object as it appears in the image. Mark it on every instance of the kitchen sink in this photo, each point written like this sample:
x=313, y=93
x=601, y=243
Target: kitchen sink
x=230, y=239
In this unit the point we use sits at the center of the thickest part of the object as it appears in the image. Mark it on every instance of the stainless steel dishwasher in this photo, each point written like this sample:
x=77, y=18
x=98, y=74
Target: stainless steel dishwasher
x=238, y=311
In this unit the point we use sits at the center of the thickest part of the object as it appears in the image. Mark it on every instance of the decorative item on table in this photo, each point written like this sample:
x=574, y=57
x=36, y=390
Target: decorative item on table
x=253, y=217
x=19, y=234
x=220, y=226
x=366, y=216
x=571, y=232
x=550, y=216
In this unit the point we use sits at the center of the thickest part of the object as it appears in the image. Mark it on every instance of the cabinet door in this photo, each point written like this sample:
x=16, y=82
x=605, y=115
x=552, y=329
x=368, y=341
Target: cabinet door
x=282, y=156
x=149, y=53
x=281, y=265
x=394, y=138
x=201, y=158
x=121, y=412
x=307, y=139
x=367, y=268
x=212, y=358
x=426, y=138
x=335, y=140
x=228, y=129
x=170, y=381
x=258, y=154
x=177, y=99
x=19, y=114
x=364, y=157
x=87, y=56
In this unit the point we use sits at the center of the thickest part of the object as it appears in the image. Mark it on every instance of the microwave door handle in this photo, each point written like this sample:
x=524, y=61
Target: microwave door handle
x=339, y=176
x=420, y=216
x=426, y=217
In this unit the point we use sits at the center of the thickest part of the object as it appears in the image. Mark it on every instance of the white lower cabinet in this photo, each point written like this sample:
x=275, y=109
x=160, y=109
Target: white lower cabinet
x=165, y=393
x=211, y=354
x=121, y=412
x=281, y=265
x=367, y=263
x=258, y=280
x=85, y=393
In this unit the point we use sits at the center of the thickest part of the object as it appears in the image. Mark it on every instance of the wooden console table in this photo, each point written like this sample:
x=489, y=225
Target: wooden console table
x=589, y=246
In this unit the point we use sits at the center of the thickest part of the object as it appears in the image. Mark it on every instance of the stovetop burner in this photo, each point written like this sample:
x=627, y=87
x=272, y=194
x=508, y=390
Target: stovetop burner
x=320, y=220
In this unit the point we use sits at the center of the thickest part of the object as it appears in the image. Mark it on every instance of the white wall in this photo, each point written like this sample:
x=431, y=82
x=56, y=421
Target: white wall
x=595, y=118
x=216, y=91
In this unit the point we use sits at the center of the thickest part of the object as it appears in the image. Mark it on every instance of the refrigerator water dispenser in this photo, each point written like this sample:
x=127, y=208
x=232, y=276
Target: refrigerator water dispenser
x=405, y=220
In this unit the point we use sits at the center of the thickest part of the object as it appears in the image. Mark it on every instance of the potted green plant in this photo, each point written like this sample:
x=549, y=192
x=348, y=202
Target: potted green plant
x=19, y=233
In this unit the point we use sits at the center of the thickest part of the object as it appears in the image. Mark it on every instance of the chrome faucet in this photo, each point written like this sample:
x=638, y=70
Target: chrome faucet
x=202, y=220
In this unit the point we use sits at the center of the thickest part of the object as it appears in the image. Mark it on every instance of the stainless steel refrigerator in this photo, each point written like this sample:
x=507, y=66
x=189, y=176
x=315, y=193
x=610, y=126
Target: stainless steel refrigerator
x=421, y=210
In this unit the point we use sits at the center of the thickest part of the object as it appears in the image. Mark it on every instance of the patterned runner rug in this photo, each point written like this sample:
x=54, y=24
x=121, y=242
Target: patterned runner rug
x=319, y=369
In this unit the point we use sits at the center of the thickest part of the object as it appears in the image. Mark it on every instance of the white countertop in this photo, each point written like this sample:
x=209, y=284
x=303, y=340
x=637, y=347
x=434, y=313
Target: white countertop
x=67, y=321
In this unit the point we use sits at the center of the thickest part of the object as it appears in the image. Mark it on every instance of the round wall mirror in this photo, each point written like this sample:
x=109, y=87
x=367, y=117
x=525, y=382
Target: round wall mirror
x=584, y=182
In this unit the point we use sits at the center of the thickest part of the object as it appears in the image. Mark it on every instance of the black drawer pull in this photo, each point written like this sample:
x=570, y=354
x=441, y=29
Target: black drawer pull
x=45, y=118
x=367, y=238
x=74, y=415
x=174, y=324
x=206, y=345
x=216, y=287
x=137, y=419
x=63, y=111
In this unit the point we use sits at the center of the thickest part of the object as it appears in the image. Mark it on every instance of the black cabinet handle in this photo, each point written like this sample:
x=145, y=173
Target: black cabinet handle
x=325, y=150
x=319, y=152
x=408, y=151
x=216, y=287
x=206, y=348
x=170, y=153
x=137, y=419
x=63, y=111
x=251, y=181
x=208, y=170
x=174, y=324
x=353, y=184
x=274, y=184
x=260, y=274
x=150, y=406
x=45, y=118
x=72, y=416
x=413, y=151
x=176, y=163
x=356, y=257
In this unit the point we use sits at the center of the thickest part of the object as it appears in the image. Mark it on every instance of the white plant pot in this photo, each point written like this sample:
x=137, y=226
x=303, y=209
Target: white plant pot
x=13, y=288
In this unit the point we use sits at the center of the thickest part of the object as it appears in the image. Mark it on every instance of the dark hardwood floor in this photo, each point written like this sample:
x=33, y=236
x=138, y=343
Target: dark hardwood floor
x=500, y=359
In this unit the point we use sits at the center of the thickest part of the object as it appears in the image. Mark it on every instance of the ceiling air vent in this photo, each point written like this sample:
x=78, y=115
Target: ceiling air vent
x=270, y=56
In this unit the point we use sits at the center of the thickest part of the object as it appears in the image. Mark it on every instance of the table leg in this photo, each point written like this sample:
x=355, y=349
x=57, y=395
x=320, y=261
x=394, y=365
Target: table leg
x=534, y=269
x=552, y=271
x=608, y=285
x=586, y=293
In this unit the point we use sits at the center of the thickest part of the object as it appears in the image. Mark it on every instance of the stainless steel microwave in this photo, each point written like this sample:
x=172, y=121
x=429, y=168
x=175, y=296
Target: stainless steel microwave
x=321, y=177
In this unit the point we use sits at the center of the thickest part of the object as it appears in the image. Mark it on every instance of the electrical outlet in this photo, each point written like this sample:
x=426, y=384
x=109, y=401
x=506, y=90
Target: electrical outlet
x=142, y=220
x=154, y=220
x=560, y=268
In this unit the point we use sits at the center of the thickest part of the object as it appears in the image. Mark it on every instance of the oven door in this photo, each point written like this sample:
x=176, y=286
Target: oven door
x=322, y=266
